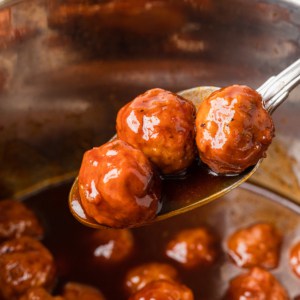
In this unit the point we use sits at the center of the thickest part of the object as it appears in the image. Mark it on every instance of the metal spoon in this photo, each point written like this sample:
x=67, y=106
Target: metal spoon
x=202, y=186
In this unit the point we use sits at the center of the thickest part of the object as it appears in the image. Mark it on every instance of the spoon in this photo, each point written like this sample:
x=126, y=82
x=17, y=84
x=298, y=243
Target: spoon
x=201, y=186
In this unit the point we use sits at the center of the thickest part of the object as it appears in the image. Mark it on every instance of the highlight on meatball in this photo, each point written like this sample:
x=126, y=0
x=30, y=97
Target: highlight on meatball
x=111, y=245
x=295, y=259
x=140, y=276
x=17, y=220
x=24, y=263
x=118, y=186
x=256, y=284
x=194, y=247
x=233, y=129
x=38, y=293
x=78, y=291
x=162, y=290
x=161, y=124
x=255, y=246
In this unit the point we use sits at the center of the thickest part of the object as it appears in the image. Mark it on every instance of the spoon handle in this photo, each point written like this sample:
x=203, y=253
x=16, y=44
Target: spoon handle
x=276, y=89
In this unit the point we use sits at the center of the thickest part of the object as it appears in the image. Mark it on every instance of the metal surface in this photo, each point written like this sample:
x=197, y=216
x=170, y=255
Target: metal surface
x=277, y=88
x=67, y=67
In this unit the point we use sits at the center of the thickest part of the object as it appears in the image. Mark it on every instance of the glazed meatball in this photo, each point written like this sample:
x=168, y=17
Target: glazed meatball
x=161, y=124
x=295, y=259
x=17, y=220
x=24, y=263
x=111, y=245
x=193, y=247
x=233, y=129
x=258, y=284
x=255, y=246
x=77, y=291
x=142, y=275
x=163, y=290
x=39, y=293
x=118, y=186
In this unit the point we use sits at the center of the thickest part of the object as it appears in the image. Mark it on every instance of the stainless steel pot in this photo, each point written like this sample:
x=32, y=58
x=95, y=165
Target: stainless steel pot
x=67, y=67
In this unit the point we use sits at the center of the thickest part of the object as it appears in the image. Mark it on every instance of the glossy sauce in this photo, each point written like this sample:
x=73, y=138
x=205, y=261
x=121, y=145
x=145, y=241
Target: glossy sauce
x=67, y=240
x=179, y=192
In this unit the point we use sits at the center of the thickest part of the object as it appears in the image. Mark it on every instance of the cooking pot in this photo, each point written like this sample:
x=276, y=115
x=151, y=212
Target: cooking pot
x=67, y=67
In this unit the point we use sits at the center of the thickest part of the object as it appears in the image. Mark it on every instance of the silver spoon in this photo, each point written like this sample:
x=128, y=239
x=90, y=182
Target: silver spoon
x=202, y=186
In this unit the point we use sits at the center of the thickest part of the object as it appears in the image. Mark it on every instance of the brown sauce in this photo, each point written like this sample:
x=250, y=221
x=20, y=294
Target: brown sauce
x=199, y=182
x=67, y=239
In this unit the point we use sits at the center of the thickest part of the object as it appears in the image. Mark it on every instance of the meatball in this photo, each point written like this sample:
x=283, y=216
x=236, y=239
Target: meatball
x=193, y=247
x=233, y=129
x=142, y=275
x=39, y=293
x=118, y=186
x=17, y=220
x=111, y=245
x=161, y=124
x=77, y=291
x=258, y=284
x=163, y=290
x=295, y=259
x=24, y=263
x=255, y=246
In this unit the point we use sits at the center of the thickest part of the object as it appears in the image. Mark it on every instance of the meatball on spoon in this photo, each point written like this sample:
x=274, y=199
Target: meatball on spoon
x=229, y=153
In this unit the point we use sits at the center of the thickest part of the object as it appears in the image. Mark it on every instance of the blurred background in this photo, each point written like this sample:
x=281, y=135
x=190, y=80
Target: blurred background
x=66, y=67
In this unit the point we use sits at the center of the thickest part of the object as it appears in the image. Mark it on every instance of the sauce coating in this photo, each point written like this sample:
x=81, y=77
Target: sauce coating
x=78, y=291
x=17, y=220
x=193, y=247
x=163, y=290
x=140, y=276
x=38, y=293
x=24, y=263
x=295, y=259
x=255, y=246
x=233, y=129
x=258, y=284
x=118, y=186
x=161, y=124
x=110, y=245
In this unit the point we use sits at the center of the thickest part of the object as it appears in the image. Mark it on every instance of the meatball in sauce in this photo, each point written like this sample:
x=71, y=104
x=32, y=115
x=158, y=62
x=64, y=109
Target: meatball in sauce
x=161, y=124
x=233, y=129
x=118, y=185
x=78, y=291
x=194, y=247
x=295, y=259
x=258, y=284
x=140, y=276
x=17, y=220
x=255, y=246
x=163, y=290
x=24, y=263
x=111, y=245
x=38, y=293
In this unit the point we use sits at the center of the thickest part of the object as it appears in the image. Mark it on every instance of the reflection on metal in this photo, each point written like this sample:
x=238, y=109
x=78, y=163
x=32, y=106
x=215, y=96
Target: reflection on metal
x=9, y=3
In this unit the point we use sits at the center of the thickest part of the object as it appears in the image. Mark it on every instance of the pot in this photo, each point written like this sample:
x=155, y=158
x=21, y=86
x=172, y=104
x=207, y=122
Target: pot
x=66, y=68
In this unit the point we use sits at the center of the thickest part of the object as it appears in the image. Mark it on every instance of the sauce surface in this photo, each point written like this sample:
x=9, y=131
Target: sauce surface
x=68, y=240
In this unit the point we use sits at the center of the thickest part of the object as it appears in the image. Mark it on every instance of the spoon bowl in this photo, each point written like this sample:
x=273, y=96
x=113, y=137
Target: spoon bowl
x=183, y=193
x=201, y=186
